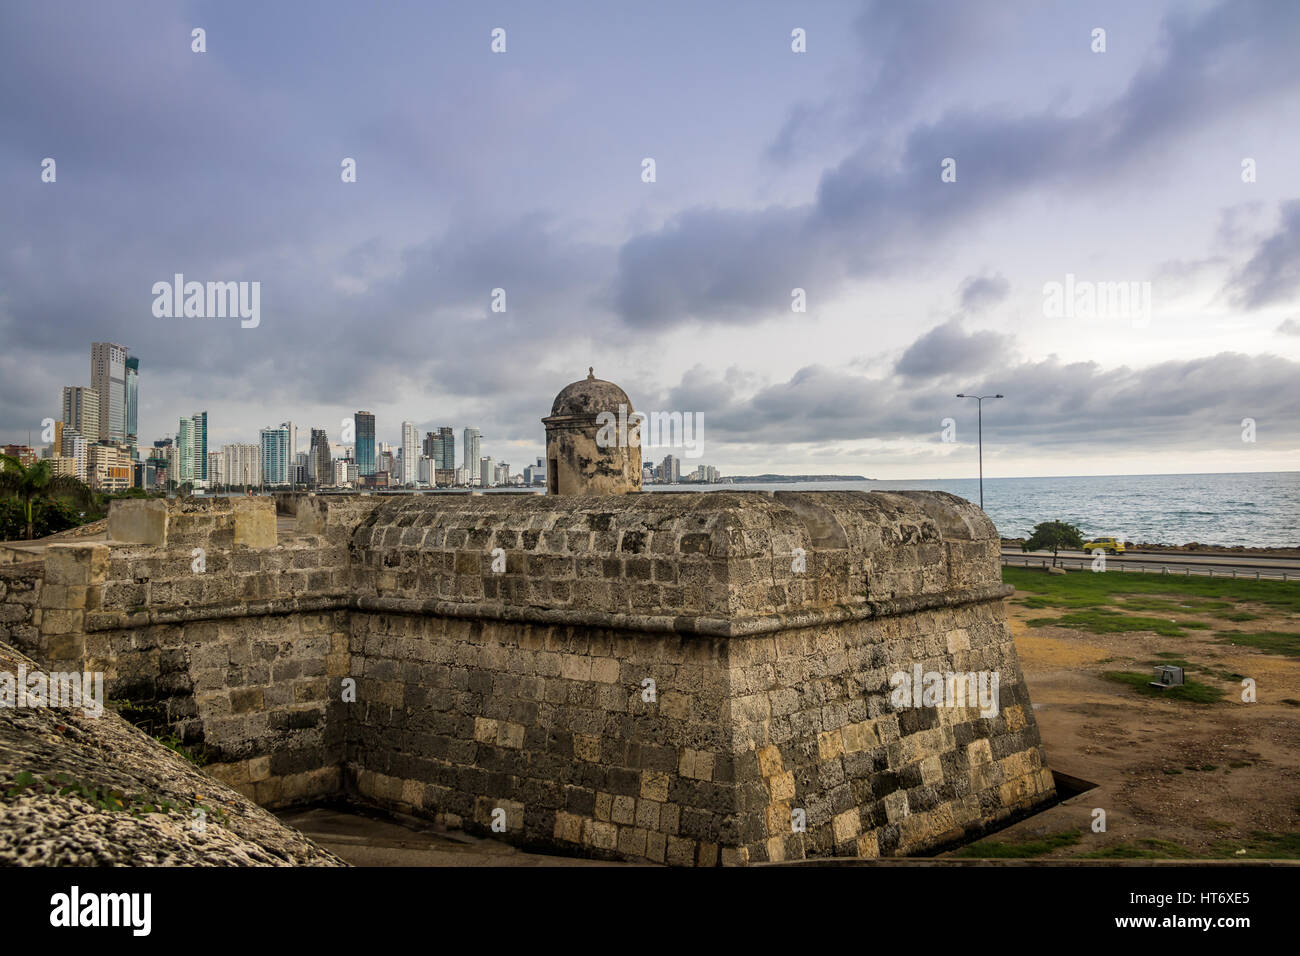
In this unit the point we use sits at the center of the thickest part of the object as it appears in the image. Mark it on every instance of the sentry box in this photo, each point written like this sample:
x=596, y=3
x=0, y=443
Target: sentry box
x=1167, y=676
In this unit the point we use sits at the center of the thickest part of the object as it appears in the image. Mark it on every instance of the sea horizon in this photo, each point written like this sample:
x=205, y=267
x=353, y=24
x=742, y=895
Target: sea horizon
x=1248, y=509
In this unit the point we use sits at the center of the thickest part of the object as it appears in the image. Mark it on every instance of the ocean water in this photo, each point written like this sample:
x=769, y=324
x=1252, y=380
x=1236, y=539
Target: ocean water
x=1260, y=509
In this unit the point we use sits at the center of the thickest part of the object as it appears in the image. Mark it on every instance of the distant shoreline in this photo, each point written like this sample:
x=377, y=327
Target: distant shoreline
x=783, y=479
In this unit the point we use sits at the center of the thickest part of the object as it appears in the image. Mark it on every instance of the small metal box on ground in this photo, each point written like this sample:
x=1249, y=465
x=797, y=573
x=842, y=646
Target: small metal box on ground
x=1167, y=676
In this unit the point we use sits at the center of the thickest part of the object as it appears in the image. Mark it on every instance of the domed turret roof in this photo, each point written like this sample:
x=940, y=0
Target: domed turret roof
x=589, y=396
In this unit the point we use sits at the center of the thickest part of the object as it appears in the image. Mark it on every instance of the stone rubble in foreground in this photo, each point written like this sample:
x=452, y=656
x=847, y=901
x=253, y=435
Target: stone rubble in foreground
x=107, y=754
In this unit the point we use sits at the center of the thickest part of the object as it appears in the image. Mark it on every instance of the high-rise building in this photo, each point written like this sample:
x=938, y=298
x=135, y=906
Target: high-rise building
x=160, y=454
x=216, y=469
x=364, y=426
x=275, y=455
x=132, y=399
x=321, y=471
x=501, y=474
x=293, y=438
x=470, y=450
x=242, y=464
x=535, y=474
x=200, y=420
x=444, y=448
x=81, y=411
x=486, y=472
x=73, y=446
x=440, y=445
x=173, y=453
x=185, y=451
x=192, y=443
x=108, y=468
x=146, y=473
x=108, y=378
x=410, y=453
x=672, y=469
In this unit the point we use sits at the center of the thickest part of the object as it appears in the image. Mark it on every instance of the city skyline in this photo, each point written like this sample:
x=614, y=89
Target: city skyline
x=420, y=457
x=1007, y=212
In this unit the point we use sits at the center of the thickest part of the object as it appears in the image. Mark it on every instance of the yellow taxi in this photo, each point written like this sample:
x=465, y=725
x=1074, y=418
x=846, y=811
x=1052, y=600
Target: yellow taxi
x=1104, y=544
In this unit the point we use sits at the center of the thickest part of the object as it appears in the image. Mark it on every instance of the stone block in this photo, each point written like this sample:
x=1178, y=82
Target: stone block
x=142, y=521
x=76, y=564
x=568, y=827
x=623, y=810
x=603, y=836
x=254, y=521
x=654, y=785
x=586, y=747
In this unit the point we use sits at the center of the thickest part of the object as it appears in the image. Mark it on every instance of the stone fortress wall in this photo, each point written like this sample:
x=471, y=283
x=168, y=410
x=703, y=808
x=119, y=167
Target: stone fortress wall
x=501, y=649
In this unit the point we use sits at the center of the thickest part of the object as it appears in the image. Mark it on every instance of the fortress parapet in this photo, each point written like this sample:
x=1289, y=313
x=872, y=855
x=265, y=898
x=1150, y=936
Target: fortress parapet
x=691, y=677
x=694, y=678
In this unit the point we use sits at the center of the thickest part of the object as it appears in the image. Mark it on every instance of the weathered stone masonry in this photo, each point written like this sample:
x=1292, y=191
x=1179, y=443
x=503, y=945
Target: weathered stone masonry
x=526, y=689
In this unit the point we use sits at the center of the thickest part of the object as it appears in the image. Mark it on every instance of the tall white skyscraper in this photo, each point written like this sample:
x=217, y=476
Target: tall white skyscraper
x=216, y=469
x=293, y=438
x=74, y=446
x=410, y=453
x=108, y=378
x=132, y=399
x=471, y=450
x=487, y=472
x=185, y=449
x=242, y=464
x=672, y=469
x=81, y=411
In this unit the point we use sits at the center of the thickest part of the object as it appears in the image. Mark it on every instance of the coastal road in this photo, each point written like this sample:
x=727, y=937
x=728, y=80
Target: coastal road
x=1166, y=562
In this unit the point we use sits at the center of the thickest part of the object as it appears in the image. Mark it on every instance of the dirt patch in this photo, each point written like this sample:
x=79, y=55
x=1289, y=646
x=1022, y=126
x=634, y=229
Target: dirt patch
x=1176, y=779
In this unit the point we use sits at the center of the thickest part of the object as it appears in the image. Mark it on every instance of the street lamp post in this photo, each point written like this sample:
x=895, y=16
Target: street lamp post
x=979, y=399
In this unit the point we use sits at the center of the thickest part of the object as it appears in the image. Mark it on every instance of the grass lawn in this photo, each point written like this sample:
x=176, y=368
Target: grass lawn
x=1107, y=603
x=1191, y=690
x=1106, y=621
x=1213, y=596
x=1259, y=845
x=1272, y=642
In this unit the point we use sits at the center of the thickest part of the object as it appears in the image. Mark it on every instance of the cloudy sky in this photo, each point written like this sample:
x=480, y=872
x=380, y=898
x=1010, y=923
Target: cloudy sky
x=775, y=170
